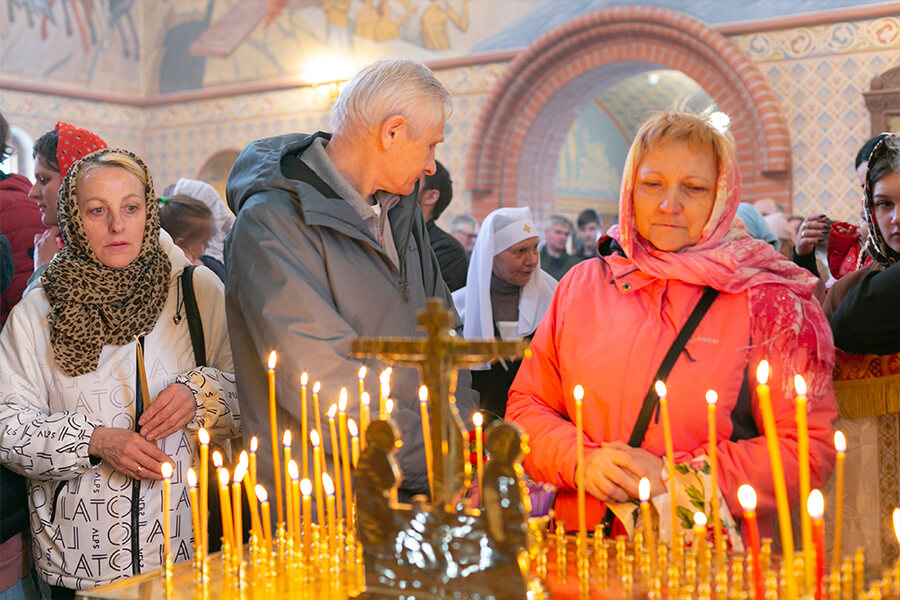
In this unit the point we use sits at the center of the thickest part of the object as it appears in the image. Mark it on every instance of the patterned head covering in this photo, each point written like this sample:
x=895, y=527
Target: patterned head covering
x=74, y=143
x=93, y=305
x=876, y=245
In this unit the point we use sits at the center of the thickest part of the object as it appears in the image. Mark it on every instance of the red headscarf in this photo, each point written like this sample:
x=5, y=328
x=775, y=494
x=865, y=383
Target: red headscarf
x=784, y=316
x=74, y=143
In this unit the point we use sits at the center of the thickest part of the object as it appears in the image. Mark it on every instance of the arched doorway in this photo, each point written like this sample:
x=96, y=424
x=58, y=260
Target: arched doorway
x=523, y=125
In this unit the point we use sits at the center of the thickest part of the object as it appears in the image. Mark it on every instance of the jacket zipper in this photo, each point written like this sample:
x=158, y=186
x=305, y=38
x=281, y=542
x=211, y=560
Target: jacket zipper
x=136, y=484
x=56, y=493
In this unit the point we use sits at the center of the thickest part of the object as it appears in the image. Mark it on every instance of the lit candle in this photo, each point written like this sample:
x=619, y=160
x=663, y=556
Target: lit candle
x=647, y=518
x=784, y=514
x=809, y=557
x=250, y=490
x=251, y=470
x=304, y=423
x=239, y=473
x=203, y=436
x=195, y=506
x=345, y=455
x=273, y=425
x=263, y=498
x=293, y=501
x=747, y=498
x=335, y=457
x=364, y=417
x=426, y=432
x=166, y=470
x=317, y=466
x=225, y=504
x=388, y=408
x=328, y=486
x=670, y=460
x=306, y=491
x=579, y=467
x=896, y=519
x=354, y=442
x=699, y=535
x=479, y=455
x=286, y=445
x=815, y=506
x=711, y=398
x=318, y=415
x=363, y=404
x=384, y=391
x=840, y=445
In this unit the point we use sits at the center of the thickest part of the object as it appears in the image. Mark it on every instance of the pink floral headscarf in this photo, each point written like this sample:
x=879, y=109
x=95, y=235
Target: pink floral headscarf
x=784, y=316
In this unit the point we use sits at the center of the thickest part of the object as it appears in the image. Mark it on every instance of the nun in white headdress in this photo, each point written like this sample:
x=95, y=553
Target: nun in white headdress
x=506, y=295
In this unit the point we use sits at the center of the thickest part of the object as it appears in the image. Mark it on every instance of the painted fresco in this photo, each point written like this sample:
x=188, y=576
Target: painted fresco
x=592, y=158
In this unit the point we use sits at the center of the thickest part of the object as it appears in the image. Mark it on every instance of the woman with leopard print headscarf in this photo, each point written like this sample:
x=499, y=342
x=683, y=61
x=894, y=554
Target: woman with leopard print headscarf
x=72, y=416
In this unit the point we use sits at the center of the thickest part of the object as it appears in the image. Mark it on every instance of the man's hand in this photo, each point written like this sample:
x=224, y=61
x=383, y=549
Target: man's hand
x=127, y=452
x=173, y=408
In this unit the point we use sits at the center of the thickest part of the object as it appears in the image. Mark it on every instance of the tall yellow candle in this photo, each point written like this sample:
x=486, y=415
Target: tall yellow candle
x=335, y=458
x=670, y=461
x=895, y=516
x=478, y=420
x=364, y=417
x=195, y=506
x=840, y=445
x=318, y=414
x=225, y=504
x=809, y=552
x=345, y=455
x=328, y=486
x=239, y=472
x=354, y=442
x=306, y=491
x=203, y=436
x=388, y=410
x=286, y=445
x=166, y=469
x=647, y=518
x=579, y=467
x=250, y=490
x=711, y=399
x=263, y=497
x=251, y=469
x=384, y=391
x=363, y=406
x=426, y=433
x=293, y=508
x=699, y=535
x=273, y=425
x=304, y=424
x=317, y=467
x=784, y=514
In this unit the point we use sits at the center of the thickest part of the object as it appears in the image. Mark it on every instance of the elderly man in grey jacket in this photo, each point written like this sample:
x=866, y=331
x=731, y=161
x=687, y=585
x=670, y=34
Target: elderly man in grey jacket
x=329, y=245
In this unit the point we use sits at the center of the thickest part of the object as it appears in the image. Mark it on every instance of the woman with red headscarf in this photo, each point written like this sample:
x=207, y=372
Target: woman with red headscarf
x=613, y=321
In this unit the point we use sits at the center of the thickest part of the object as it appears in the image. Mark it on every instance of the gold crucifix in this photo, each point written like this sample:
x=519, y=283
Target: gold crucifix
x=437, y=356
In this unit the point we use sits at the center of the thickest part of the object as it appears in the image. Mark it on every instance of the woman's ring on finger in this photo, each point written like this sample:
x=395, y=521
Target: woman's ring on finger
x=138, y=470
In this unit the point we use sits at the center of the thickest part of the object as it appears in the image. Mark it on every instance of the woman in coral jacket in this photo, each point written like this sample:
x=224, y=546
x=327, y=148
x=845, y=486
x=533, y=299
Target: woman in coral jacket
x=612, y=321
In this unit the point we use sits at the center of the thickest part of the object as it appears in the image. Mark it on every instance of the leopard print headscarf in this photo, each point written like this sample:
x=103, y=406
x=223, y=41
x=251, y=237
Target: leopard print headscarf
x=92, y=305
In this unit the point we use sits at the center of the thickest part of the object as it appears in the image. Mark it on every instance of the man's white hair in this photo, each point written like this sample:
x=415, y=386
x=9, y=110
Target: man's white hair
x=387, y=87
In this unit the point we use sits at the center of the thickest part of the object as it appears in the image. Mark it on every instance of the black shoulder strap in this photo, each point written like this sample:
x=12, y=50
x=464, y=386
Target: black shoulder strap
x=195, y=323
x=650, y=400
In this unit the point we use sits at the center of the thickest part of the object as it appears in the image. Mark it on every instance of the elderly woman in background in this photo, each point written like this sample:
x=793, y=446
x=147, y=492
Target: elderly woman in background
x=73, y=418
x=505, y=296
x=612, y=321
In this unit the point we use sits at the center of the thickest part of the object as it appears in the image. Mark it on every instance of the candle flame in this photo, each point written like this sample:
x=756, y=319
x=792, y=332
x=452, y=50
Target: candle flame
x=239, y=472
x=166, y=469
x=896, y=517
x=579, y=393
x=327, y=484
x=800, y=385
x=273, y=358
x=261, y=494
x=304, y=378
x=364, y=399
x=342, y=400
x=243, y=460
x=747, y=497
x=644, y=489
x=223, y=476
x=191, y=478
x=712, y=397
x=314, y=438
x=203, y=435
x=423, y=394
x=306, y=487
x=286, y=438
x=840, y=442
x=254, y=444
x=217, y=459
x=316, y=387
x=385, y=390
x=815, y=504
x=351, y=426
x=385, y=376
x=700, y=519
x=332, y=410
x=478, y=419
x=762, y=372
x=389, y=406
x=361, y=374
x=660, y=388
x=293, y=471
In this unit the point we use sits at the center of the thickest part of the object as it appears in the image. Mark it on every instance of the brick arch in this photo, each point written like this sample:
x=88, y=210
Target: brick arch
x=523, y=125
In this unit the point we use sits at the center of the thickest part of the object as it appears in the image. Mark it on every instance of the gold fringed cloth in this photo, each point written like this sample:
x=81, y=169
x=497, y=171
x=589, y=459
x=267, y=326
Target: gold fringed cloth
x=867, y=388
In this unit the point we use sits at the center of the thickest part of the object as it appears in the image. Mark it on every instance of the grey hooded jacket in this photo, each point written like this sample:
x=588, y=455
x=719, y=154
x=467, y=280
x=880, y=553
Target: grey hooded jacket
x=305, y=277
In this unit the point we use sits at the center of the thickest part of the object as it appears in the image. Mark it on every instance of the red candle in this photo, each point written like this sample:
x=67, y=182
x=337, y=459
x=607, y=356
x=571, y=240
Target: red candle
x=747, y=498
x=815, y=506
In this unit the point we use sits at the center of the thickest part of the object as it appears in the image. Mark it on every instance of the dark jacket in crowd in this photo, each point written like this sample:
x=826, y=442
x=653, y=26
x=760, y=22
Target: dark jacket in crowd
x=451, y=256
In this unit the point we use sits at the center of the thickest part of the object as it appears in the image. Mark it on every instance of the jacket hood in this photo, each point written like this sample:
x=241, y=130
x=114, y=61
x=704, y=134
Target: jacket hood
x=15, y=183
